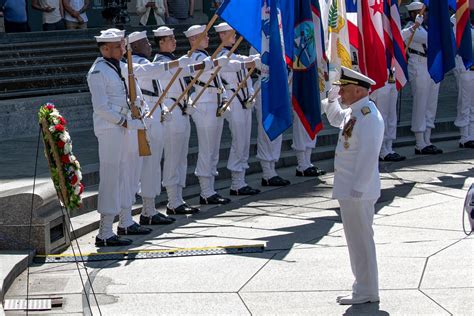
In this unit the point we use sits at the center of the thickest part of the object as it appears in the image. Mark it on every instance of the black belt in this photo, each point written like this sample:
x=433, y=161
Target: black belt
x=414, y=51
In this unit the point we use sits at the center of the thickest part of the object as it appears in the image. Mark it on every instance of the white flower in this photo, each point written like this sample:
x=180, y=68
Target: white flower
x=52, y=129
x=72, y=158
x=67, y=148
x=77, y=189
x=79, y=175
x=78, y=165
x=55, y=113
x=65, y=137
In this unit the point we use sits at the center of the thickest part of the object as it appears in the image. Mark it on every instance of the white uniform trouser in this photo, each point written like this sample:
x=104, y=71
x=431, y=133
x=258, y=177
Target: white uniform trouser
x=240, y=125
x=268, y=152
x=302, y=144
x=465, y=108
x=112, y=161
x=209, y=132
x=357, y=219
x=176, y=133
x=151, y=170
x=425, y=94
x=385, y=98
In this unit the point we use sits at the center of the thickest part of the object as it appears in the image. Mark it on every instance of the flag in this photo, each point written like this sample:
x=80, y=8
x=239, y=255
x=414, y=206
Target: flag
x=394, y=42
x=338, y=49
x=372, y=55
x=323, y=71
x=276, y=110
x=305, y=92
x=441, y=44
x=243, y=16
x=351, y=12
x=463, y=33
x=260, y=23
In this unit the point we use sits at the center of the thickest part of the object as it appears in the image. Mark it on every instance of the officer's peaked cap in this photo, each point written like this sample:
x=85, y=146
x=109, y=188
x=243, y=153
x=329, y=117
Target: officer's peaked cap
x=349, y=76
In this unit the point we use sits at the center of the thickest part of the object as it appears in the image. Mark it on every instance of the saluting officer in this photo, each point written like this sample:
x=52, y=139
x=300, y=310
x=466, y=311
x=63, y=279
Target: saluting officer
x=385, y=98
x=240, y=117
x=112, y=126
x=356, y=177
x=424, y=89
x=208, y=124
x=177, y=130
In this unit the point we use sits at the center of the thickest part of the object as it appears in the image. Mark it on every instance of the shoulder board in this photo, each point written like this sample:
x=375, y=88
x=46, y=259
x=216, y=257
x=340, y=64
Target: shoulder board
x=365, y=110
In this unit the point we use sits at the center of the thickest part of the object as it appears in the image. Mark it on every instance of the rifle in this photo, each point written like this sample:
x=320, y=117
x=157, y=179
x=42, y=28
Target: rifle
x=143, y=143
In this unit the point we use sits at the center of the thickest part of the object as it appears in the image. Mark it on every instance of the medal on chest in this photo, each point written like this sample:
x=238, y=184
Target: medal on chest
x=347, y=131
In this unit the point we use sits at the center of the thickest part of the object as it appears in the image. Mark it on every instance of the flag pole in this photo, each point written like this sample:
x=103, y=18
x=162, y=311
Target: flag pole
x=241, y=85
x=236, y=45
x=193, y=48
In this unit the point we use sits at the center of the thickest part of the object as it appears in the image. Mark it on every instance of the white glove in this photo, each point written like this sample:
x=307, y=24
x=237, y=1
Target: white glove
x=222, y=61
x=190, y=110
x=333, y=93
x=258, y=63
x=252, y=57
x=250, y=104
x=419, y=19
x=356, y=194
x=135, y=124
x=184, y=61
x=166, y=116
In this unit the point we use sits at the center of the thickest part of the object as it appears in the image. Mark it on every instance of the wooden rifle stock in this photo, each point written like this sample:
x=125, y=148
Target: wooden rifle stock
x=143, y=144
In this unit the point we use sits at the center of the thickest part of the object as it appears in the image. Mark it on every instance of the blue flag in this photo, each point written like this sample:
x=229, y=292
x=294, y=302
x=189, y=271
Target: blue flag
x=305, y=98
x=259, y=22
x=441, y=44
x=245, y=17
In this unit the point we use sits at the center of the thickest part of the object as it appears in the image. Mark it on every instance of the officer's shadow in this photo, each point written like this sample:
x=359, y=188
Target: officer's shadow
x=366, y=309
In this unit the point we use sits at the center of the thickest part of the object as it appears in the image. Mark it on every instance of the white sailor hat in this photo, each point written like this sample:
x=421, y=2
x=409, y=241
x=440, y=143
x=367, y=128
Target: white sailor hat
x=222, y=27
x=414, y=6
x=108, y=37
x=194, y=30
x=349, y=76
x=163, y=31
x=120, y=32
x=136, y=36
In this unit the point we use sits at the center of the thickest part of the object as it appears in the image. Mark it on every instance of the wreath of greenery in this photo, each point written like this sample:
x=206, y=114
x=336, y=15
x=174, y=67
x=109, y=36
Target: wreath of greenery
x=63, y=165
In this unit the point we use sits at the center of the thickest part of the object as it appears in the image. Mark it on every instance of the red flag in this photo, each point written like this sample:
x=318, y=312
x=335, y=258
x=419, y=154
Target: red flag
x=372, y=58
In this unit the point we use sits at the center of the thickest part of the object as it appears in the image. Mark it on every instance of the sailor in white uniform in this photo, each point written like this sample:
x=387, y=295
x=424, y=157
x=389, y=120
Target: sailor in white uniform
x=356, y=176
x=424, y=89
x=240, y=116
x=208, y=124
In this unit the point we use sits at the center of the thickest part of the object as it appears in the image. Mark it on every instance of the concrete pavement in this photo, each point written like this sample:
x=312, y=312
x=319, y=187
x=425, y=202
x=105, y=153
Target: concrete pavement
x=426, y=263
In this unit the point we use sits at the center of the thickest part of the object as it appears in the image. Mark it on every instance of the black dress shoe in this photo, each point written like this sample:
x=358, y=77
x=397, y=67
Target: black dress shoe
x=275, y=181
x=183, y=209
x=114, y=241
x=310, y=172
x=134, y=229
x=469, y=144
x=428, y=150
x=438, y=150
x=157, y=219
x=214, y=199
x=247, y=190
x=394, y=157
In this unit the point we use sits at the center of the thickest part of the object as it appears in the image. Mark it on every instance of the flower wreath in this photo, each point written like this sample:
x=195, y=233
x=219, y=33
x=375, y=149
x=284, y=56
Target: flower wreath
x=58, y=151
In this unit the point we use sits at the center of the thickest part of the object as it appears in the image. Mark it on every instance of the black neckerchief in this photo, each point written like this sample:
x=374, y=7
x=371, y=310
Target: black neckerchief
x=203, y=51
x=115, y=63
x=169, y=55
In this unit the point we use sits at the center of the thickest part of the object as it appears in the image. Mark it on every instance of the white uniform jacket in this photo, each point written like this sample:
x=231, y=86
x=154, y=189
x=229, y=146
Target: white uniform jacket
x=356, y=159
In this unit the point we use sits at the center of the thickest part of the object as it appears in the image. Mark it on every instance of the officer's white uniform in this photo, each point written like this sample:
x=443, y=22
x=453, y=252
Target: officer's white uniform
x=208, y=125
x=357, y=183
x=385, y=98
x=240, y=117
x=424, y=89
x=465, y=107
